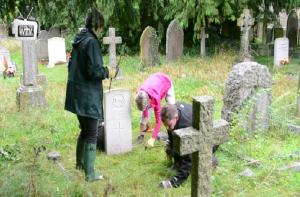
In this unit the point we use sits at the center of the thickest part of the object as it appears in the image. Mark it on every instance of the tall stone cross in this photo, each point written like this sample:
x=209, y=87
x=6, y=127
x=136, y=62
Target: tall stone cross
x=245, y=22
x=199, y=140
x=112, y=40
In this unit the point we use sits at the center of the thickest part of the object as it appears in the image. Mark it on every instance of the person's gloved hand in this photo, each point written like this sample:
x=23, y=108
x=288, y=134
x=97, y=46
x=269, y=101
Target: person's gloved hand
x=112, y=72
x=150, y=142
x=165, y=184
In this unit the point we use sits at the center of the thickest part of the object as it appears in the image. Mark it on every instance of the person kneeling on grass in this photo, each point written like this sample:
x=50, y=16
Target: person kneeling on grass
x=175, y=117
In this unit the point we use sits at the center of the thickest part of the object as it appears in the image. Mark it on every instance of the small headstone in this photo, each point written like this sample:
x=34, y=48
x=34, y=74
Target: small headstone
x=42, y=46
x=54, y=32
x=294, y=128
x=117, y=121
x=283, y=17
x=198, y=140
x=292, y=29
x=4, y=52
x=247, y=173
x=248, y=85
x=174, y=40
x=281, y=50
x=149, y=43
x=57, y=51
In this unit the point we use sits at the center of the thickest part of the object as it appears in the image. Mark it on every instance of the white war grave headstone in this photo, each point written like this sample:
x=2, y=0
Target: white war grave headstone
x=281, y=50
x=57, y=51
x=117, y=121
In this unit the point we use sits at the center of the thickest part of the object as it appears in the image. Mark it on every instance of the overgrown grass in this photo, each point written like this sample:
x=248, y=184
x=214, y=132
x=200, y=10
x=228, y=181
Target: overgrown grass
x=138, y=173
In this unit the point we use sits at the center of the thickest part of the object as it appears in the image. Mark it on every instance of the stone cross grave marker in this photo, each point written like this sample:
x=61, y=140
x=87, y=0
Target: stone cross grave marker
x=57, y=51
x=149, y=44
x=248, y=85
x=199, y=140
x=281, y=50
x=174, y=40
x=245, y=22
x=117, y=121
x=203, y=37
x=112, y=41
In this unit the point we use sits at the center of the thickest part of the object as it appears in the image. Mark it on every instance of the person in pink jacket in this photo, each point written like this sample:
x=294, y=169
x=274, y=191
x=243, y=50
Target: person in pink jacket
x=149, y=96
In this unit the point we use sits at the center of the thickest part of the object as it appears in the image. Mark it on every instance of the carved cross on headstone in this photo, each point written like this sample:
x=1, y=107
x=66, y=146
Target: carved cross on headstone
x=199, y=140
x=245, y=22
x=112, y=40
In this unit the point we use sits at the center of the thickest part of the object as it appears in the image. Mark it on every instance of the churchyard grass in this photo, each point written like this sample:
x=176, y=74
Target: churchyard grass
x=25, y=172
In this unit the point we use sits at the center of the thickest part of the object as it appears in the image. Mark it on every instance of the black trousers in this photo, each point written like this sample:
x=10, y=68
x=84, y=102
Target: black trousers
x=88, y=128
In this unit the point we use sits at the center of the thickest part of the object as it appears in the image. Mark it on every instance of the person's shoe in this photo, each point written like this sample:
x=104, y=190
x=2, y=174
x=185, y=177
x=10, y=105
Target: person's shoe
x=80, y=154
x=140, y=138
x=89, y=161
x=165, y=184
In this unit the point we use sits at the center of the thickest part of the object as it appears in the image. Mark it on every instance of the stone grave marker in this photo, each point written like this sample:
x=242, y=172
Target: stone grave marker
x=281, y=50
x=174, y=41
x=248, y=85
x=245, y=22
x=149, y=43
x=292, y=29
x=112, y=41
x=199, y=140
x=42, y=46
x=54, y=32
x=4, y=52
x=117, y=121
x=202, y=45
x=283, y=17
x=57, y=51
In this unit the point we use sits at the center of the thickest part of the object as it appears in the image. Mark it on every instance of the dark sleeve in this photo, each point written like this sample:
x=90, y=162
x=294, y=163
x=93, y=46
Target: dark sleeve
x=95, y=68
x=183, y=172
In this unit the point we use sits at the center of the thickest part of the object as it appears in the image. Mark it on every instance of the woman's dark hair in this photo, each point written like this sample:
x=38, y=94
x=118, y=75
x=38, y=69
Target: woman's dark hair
x=94, y=19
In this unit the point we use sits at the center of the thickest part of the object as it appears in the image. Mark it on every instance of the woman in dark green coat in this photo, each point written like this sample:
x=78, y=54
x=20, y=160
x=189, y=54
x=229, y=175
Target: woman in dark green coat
x=84, y=95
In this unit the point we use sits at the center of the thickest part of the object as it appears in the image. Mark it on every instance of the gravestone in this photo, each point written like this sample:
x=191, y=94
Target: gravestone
x=42, y=46
x=283, y=17
x=174, y=41
x=112, y=41
x=292, y=29
x=54, y=32
x=4, y=53
x=248, y=88
x=3, y=31
x=245, y=22
x=203, y=37
x=281, y=50
x=117, y=121
x=57, y=51
x=149, y=43
x=30, y=94
x=199, y=140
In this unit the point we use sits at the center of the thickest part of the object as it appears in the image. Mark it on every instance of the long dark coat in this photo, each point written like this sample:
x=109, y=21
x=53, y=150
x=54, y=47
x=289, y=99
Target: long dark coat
x=84, y=95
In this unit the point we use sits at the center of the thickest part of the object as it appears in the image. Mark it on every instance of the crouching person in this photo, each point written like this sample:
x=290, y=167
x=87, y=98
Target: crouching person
x=176, y=117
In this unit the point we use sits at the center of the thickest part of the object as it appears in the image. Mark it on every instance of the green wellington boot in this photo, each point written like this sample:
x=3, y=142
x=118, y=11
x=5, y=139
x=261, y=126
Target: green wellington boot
x=80, y=154
x=89, y=161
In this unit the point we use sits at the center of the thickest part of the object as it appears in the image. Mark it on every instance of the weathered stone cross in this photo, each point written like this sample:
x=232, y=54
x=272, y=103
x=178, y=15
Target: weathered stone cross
x=112, y=40
x=199, y=141
x=245, y=22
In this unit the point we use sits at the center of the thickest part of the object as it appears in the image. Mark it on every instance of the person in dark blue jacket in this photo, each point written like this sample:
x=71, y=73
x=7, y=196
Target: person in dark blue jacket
x=84, y=94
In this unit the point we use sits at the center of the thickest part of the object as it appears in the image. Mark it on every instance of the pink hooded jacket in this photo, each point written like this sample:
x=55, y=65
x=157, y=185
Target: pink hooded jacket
x=156, y=86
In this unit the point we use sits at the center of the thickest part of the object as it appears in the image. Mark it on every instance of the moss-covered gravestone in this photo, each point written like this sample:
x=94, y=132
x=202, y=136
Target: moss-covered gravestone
x=149, y=43
x=199, y=140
